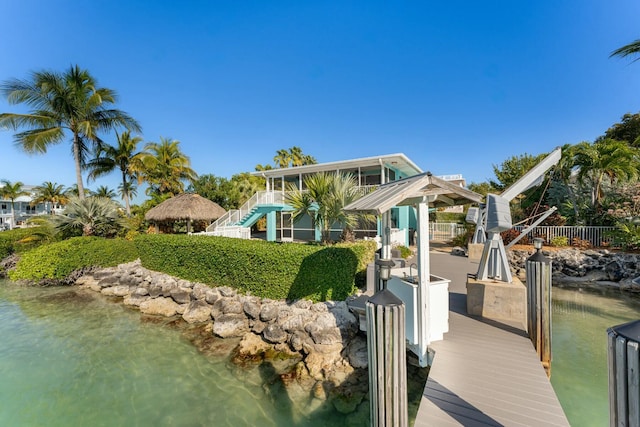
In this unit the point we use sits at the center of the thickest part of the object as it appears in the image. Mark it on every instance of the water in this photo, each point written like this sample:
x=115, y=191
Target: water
x=73, y=359
x=579, y=367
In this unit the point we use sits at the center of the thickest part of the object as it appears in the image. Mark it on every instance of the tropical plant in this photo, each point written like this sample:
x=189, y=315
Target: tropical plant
x=121, y=156
x=73, y=191
x=50, y=193
x=291, y=157
x=104, y=192
x=164, y=167
x=323, y=201
x=630, y=49
x=92, y=216
x=605, y=159
x=63, y=102
x=12, y=192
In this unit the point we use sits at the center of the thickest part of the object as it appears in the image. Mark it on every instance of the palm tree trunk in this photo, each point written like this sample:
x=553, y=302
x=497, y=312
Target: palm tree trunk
x=76, y=158
x=13, y=216
x=125, y=193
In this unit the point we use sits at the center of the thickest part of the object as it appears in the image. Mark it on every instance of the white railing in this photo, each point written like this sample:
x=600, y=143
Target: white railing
x=444, y=231
x=236, y=231
x=234, y=216
x=596, y=235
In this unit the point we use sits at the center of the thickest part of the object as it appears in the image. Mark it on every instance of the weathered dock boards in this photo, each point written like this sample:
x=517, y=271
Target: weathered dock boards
x=484, y=373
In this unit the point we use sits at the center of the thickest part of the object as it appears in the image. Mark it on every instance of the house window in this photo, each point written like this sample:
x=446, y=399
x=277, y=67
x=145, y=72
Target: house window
x=4, y=206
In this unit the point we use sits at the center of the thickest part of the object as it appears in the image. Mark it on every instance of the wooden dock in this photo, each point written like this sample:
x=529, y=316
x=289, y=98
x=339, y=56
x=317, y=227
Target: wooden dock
x=484, y=373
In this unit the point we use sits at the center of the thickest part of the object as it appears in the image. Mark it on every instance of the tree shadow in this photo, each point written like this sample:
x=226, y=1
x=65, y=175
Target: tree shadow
x=328, y=274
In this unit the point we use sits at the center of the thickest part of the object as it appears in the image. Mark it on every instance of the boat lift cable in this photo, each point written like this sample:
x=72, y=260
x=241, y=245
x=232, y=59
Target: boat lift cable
x=546, y=187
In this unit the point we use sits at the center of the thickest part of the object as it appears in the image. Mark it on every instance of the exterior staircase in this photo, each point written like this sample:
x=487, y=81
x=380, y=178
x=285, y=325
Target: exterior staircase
x=237, y=222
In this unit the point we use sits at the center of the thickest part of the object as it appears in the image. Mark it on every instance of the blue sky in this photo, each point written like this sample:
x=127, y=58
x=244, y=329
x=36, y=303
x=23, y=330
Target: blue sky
x=456, y=86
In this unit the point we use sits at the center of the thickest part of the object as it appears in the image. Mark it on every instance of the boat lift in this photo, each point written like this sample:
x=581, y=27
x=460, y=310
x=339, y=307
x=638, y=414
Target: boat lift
x=494, y=216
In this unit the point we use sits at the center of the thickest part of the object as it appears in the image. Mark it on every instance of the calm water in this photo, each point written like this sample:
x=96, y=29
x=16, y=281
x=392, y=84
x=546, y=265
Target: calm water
x=70, y=360
x=579, y=366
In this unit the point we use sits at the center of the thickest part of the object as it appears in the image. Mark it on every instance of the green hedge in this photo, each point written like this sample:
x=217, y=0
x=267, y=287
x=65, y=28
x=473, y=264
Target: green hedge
x=58, y=260
x=9, y=241
x=265, y=269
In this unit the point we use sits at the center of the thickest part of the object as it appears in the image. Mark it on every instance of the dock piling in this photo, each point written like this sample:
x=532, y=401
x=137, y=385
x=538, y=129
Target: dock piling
x=624, y=378
x=538, y=268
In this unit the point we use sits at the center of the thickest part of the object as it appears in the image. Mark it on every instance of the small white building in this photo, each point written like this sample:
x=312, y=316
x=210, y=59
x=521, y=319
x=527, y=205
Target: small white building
x=23, y=209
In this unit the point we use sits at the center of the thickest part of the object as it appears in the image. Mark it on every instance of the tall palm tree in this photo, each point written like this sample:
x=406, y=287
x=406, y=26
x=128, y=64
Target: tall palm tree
x=62, y=102
x=324, y=200
x=50, y=193
x=12, y=192
x=109, y=158
x=632, y=48
x=164, y=167
x=605, y=158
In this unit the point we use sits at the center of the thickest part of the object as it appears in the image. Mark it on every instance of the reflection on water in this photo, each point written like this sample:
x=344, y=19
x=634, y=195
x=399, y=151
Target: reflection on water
x=579, y=368
x=68, y=359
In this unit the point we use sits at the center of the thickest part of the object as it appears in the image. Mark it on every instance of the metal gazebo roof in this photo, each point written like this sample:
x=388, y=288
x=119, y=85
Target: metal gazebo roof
x=409, y=191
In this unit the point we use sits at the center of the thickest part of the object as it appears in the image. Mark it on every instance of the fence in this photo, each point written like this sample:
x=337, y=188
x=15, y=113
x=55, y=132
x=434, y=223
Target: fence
x=597, y=236
x=445, y=231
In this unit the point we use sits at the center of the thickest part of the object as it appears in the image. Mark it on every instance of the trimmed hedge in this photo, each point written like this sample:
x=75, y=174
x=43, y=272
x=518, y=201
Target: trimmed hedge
x=9, y=241
x=58, y=260
x=265, y=269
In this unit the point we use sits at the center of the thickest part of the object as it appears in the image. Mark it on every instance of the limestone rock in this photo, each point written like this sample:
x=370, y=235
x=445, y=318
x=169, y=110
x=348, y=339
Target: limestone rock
x=252, y=308
x=135, y=300
x=357, y=353
x=197, y=311
x=211, y=296
x=269, y=312
x=121, y=290
x=252, y=345
x=230, y=325
x=161, y=306
x=275, y=334
x=181, y=295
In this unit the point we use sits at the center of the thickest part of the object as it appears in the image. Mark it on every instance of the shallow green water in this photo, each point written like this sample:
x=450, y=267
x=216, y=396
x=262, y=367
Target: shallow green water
x=579, y=365
x=73, y=360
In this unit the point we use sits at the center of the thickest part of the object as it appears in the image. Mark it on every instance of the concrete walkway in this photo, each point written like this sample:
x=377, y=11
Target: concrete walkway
x=485, y=373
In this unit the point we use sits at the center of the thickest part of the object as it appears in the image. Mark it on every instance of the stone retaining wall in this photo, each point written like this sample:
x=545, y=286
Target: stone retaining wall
x=597, y=267
x=325, y=357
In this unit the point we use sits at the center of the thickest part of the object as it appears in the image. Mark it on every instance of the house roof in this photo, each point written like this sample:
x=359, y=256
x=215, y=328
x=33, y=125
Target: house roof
x=409, y=191
x=397, y=161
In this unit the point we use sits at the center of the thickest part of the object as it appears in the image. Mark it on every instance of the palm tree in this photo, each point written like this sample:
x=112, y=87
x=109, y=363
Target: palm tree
x=62, y=102
x=50, y=193
x=632, y=48
x=615, y=160
x=93, y=216
x=282, y=158
x=108, y=158
x=74, y=192
x=12, y=192
x=324, y=200
x=104, y=192
x=164, y=167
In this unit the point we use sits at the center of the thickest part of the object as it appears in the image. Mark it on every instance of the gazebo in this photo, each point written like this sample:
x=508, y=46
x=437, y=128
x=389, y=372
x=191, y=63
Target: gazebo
x=185, y=207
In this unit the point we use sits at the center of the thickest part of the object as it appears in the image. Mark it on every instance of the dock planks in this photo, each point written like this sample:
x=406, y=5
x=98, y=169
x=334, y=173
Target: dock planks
x=485, y=373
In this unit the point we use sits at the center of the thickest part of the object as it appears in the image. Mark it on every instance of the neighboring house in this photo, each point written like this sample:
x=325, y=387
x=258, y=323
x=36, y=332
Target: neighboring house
x=369, y=172
x=23, y=209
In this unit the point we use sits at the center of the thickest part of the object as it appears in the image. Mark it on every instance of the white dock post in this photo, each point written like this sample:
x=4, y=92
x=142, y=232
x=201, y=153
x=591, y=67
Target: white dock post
x=538, y=268
x=624, y=377
x=387, y=360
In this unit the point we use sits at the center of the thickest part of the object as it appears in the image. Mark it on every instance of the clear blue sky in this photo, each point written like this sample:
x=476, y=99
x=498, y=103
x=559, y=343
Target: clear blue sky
x=456, y=86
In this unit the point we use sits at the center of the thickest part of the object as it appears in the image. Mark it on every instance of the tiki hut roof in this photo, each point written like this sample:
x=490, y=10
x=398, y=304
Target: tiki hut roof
x=185, y=206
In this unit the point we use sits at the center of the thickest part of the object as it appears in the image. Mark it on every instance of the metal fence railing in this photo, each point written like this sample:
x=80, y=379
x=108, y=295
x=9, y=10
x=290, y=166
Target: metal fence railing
x=595, y=235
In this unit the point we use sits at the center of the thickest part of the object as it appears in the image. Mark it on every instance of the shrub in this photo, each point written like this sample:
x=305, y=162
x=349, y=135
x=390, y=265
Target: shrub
x=265, y=269
x=405, y=252
x=559, y=241
x=58, y=260
x=581, y=243
x=11, y=241
x=626, y=235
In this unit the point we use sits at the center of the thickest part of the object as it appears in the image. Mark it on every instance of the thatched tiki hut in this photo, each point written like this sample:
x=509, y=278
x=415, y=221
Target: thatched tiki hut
x=185, y=207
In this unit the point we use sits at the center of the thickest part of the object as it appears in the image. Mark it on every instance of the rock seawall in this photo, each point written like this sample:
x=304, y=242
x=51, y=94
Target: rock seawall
x=601, y=267
x=316, y=347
